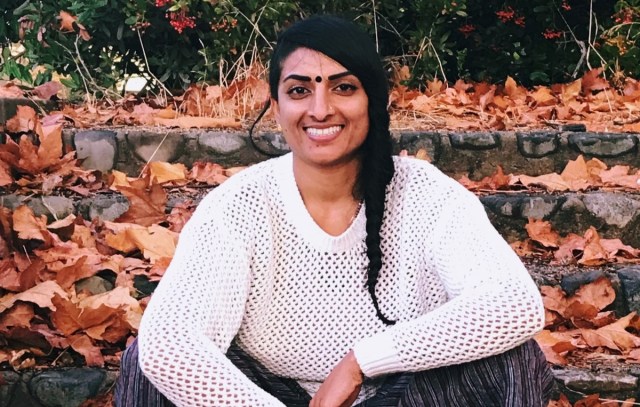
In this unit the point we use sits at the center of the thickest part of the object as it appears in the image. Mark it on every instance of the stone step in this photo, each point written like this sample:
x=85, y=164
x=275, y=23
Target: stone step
x=625, y=280
x=475, y=154
x=611, y=381
x=65, y=387
x=614, y=214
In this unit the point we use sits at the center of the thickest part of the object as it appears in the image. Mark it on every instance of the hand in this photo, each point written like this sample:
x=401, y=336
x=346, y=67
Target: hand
x=342, y=386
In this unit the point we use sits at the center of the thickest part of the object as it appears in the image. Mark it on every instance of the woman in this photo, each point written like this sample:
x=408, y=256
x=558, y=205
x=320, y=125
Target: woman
x=337, y=274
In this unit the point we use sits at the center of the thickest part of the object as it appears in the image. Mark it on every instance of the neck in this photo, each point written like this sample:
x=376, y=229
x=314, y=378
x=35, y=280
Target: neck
x=326, y=184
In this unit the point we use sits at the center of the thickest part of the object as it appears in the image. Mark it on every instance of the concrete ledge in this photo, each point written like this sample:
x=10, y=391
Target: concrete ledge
x=614, y=215
x=477, y=154
x=616, y=382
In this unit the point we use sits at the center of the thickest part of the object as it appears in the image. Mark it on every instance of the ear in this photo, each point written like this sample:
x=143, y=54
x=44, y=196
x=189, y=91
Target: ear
x=276, y=109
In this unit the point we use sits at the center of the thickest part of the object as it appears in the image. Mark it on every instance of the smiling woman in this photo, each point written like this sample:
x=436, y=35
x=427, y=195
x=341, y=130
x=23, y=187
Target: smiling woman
x=338, y=275
x=324, y=121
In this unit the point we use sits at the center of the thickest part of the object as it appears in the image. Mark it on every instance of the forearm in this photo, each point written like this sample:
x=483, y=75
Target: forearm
x=469, y=327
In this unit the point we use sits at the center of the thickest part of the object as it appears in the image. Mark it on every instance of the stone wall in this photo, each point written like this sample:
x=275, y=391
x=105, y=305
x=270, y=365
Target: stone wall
x=474, y=153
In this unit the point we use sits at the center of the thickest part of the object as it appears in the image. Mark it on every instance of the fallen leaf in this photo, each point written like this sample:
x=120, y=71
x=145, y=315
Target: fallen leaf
x=593, y=81
x=21, y=360
x=542, y=232
x=84, y=346
x=187, y=122
x=9, y=275
x=154, y=241
x=598, y=293
x=543, y=96
x=47, y=90
x=563, y=401
x=592, y=400
x=594, y=254
x=613, y=336
x=552, y=182
x=554, y=298
x=6, y=176
x=29, y=227
x=180, y=215
x=118, y=298
x=208, y=173
x=40, y=295
x=146, y=206
x=553, y=346
x=24, y=121
x=569, y=246
x=19, y=315
x=515, y=92
x=162, y=172
x=570, y=91
x=10, y=90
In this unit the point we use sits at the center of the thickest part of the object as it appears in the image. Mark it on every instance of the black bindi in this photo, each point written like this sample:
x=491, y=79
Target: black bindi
x=318, y=79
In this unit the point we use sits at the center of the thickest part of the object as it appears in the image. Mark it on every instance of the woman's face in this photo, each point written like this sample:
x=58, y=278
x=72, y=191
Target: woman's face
x=322, y=109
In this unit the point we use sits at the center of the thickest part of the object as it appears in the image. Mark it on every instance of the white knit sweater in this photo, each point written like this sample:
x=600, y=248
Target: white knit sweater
x=252, y=264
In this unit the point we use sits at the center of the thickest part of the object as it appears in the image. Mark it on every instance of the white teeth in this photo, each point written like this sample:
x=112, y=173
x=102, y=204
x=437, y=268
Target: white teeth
x=323, y=132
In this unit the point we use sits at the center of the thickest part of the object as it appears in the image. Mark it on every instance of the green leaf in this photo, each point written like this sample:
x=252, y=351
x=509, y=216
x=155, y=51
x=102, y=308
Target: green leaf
x=69, y=83
x=538, y=76
x=18, y=11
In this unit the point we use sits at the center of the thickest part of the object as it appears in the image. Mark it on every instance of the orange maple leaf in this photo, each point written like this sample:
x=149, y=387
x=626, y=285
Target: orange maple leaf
x=541, y=231
x=554, y=345
x=613, y=336
x=146, y=206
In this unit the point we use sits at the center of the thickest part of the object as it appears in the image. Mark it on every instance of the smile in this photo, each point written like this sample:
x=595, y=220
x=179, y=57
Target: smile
x=328, y=132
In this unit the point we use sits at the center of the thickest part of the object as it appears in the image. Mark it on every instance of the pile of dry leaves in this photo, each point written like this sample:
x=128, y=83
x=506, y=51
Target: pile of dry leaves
x=43, y=312
x=578, y=175
x=589, y=100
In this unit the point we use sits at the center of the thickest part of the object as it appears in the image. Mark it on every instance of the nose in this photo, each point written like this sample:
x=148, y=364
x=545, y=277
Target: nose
x=320, y=107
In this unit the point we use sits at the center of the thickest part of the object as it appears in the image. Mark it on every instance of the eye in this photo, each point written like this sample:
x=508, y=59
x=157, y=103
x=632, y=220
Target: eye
x=297, y=92
x=346, y=88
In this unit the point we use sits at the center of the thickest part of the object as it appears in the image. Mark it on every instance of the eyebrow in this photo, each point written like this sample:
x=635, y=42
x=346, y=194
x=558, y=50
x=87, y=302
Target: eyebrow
x=303, y=78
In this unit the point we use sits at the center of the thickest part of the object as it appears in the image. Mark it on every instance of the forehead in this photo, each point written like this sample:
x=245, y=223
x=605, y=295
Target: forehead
x=308, y=62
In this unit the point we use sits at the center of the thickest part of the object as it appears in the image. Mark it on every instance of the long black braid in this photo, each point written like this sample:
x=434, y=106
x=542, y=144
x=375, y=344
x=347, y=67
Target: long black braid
x=347, y=44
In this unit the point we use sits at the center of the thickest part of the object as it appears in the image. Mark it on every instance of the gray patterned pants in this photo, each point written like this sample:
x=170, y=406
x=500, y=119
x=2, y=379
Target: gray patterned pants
x=517, y=378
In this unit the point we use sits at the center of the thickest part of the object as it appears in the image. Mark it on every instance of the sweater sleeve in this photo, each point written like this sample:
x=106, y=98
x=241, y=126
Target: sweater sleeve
x=194, y=314
x=493, y=304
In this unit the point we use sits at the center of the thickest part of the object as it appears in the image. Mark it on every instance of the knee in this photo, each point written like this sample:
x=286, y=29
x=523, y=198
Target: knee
x=129, y=358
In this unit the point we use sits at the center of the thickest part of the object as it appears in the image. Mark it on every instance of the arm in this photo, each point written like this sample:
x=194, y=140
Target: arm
x=194, y=314
x=493, y=303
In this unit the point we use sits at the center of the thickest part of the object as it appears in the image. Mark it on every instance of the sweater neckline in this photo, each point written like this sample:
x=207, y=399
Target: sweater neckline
x=307, y=228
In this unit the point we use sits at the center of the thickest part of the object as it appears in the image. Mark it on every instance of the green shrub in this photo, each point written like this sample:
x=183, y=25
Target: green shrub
x=185, y=41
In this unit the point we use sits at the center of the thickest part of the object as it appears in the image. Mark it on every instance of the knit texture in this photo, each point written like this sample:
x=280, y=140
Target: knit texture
x=253, y=266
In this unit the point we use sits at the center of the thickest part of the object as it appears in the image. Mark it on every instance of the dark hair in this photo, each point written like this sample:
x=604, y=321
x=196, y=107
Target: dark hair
x=347, y=44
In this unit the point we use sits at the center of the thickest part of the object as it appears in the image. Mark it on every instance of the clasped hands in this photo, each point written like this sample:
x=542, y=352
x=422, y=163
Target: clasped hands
x=342, y=386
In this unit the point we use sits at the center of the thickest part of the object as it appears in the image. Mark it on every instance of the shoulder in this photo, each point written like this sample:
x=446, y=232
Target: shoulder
x=423, y=181
x=239, y=201
x=247, y=187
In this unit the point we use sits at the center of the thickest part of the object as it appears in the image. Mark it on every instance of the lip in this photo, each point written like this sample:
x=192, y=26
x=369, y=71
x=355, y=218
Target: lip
x=323, y=133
